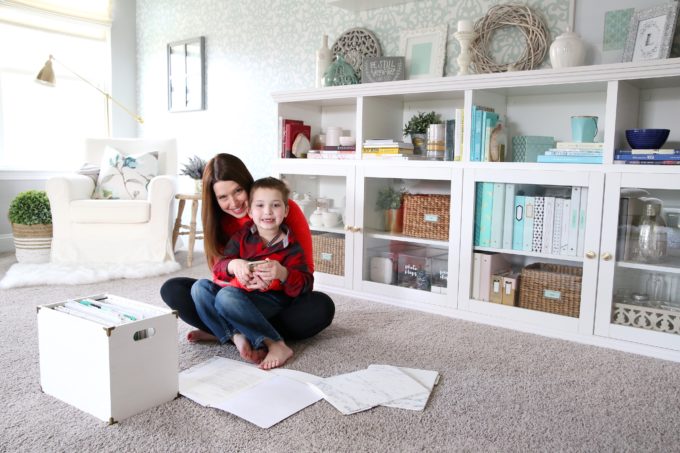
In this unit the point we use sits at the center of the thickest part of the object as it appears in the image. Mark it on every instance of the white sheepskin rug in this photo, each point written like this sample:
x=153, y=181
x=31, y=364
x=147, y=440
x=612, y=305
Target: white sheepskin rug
x=24, y=274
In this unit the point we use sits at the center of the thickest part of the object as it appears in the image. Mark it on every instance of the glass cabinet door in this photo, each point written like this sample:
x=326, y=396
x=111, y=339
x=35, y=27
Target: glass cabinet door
x=639, y=293
x=322, y=194
x=529, y=243
x=409, y=239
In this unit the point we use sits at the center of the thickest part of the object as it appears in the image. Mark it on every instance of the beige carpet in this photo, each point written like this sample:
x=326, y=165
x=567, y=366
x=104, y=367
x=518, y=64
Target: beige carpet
x=500, y=390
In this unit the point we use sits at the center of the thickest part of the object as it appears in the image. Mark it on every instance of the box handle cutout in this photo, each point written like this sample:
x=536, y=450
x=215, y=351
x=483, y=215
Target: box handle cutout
x=144, y=333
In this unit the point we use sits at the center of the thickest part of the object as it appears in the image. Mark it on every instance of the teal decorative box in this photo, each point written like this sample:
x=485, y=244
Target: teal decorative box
x=527, y=148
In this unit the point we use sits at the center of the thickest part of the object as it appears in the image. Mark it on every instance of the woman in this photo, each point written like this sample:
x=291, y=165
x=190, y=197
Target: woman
x=224, y=215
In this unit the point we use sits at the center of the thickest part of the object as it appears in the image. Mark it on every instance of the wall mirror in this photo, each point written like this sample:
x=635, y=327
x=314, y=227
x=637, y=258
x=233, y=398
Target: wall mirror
x=186, y=75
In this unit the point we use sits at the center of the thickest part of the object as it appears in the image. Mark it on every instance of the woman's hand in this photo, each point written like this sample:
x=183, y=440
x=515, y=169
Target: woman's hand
x=271, y=270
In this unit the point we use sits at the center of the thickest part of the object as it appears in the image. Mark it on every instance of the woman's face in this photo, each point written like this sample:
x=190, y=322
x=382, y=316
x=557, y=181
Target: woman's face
x=232, y=198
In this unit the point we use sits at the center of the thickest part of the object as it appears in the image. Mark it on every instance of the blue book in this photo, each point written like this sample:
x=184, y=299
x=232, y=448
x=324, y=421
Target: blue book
x=497, y=215
x=485, y=218
x=490, y=121
x=528, y=234
x=477, y=134
x=518, y=223
x=619, y=156
x=569, y=159
x=478, y=211
x=472, y=132
x=662, y=151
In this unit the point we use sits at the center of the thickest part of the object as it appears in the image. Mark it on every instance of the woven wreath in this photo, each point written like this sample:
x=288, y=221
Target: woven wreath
x=509, y=15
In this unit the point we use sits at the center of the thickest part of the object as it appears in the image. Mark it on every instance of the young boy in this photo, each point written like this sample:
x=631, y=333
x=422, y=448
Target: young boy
x=264, y=248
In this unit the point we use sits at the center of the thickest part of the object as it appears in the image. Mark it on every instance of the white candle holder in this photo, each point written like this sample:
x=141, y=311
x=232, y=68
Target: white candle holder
x=465, y=39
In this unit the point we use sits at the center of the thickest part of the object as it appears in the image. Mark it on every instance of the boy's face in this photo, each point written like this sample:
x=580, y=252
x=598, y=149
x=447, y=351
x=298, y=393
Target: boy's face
x=267, y=209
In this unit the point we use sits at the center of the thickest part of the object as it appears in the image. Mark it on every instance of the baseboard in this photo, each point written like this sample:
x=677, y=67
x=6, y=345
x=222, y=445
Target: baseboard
x=6, y=243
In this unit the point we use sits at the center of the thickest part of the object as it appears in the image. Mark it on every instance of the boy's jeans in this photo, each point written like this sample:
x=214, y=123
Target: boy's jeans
x=227, y=311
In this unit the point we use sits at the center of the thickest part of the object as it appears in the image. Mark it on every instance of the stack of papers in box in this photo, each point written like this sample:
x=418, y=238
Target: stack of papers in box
x=267, y=397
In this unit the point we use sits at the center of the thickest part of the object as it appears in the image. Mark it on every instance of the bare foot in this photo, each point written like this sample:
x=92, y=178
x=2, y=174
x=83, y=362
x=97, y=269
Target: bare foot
x=278, y=354
x=246, y=350
x=198, y=335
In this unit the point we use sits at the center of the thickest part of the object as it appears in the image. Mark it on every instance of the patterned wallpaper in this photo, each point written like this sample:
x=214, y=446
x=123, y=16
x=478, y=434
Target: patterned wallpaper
x=256, y=47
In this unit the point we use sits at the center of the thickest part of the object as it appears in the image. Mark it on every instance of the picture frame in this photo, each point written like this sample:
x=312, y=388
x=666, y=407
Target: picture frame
x=650, y=34
x=424, y=51
x=186, y=75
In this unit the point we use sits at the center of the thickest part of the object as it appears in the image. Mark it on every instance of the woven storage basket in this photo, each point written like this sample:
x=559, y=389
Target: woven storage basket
x=427, y=216
x=552, y=288
x=32, y=243
x=329, y=253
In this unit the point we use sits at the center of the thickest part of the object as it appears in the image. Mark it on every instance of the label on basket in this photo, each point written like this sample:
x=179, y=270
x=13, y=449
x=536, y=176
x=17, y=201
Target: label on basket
x=326, y=256
x=550, y=294
x=431, y=217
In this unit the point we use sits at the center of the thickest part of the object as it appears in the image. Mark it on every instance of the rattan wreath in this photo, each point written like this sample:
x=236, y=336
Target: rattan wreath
x=510, y=15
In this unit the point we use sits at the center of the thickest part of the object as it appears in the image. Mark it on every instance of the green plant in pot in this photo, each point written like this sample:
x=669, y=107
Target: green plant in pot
x=31, y=219
x=417, y=129
x=389, y=201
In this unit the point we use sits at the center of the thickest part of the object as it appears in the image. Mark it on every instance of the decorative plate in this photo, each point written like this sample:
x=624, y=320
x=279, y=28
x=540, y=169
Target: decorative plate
x=354, y=45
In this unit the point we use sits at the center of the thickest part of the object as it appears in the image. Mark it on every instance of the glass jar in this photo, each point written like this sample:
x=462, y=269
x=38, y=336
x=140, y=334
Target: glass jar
x=653, y=239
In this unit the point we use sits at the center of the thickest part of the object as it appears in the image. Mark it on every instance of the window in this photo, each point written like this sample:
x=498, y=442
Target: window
x=42, y=127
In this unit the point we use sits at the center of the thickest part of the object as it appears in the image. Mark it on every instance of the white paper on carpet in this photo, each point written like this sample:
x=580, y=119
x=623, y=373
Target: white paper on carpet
x=24, y=274
x=379, y=384
x=264, y=398
x=428, y=379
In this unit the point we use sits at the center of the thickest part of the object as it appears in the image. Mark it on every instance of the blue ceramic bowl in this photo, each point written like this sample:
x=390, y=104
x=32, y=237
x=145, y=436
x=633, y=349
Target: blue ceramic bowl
x=647, y=138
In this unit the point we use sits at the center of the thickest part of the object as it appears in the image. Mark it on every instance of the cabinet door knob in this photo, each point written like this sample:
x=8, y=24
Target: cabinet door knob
x=348, y=228
x=355, y=229
x=590, y=254
x=607, y=256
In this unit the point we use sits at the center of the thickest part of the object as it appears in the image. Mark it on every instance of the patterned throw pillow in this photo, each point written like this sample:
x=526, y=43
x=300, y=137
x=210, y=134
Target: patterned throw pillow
x=125, y=177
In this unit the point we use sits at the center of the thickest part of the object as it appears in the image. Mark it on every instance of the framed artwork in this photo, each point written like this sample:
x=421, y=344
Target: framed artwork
x=186, y=75
x=650, y=34
x=424, y=51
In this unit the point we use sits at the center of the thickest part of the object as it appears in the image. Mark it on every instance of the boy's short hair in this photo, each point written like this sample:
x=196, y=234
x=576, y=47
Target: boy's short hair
x=270, y=183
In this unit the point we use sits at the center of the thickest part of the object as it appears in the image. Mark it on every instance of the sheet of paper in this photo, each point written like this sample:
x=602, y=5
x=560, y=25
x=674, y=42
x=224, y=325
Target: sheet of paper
x=270, y=401
x=261, y=397
x=218, y=379
x=428, y=379
x=361, y=390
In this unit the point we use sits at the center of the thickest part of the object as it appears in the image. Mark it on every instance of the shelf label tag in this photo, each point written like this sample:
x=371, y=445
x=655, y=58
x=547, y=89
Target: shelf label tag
x=550, y=294
x=326, y=256
x=431, y=217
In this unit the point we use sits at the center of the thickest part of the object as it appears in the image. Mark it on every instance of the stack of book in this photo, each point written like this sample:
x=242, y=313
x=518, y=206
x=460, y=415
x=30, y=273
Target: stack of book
x=573, y=153
x=333, y=152
x=294, y=134
x=487, y=142
x=552, y=223
x=647, y=156
x=388, y=149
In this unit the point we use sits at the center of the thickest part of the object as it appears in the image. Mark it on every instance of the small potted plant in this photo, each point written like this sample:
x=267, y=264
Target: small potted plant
x=389, y=201
x=194, y=169
x=31, y=219
x=417, y=129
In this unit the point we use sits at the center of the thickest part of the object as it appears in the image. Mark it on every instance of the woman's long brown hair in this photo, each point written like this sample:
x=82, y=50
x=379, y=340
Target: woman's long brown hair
x=222, y=167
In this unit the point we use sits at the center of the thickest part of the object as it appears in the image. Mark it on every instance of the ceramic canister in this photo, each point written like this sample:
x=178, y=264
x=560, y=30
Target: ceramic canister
x=567, y=50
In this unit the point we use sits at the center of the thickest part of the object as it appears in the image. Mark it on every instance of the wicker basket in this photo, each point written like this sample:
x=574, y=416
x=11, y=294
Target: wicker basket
x=329, y=253
x=32, y=243
x=552, y=288
x=427, y=216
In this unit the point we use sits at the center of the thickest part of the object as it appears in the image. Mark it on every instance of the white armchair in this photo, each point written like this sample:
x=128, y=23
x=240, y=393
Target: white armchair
x=87, y=230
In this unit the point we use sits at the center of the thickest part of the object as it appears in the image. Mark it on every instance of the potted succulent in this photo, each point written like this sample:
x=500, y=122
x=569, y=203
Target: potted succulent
x=389, y=201
x=417, y=129
x=194, y=169
x=31, y=219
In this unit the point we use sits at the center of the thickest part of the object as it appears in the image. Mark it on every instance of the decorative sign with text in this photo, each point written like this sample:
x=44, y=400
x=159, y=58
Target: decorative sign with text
x=382, y=69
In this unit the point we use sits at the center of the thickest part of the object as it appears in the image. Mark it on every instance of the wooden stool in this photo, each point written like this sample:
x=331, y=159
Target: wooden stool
x=187, y=229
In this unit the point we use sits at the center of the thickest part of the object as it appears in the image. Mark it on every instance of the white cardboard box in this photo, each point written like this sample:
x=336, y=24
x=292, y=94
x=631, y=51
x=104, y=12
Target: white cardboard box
x=109, y=372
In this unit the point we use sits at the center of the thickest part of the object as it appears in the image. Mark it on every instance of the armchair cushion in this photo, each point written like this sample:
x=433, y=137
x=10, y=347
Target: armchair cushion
x=125, y=176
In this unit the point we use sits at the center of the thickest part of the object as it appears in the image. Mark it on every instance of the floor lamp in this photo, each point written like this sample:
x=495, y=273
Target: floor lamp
x=46, y=76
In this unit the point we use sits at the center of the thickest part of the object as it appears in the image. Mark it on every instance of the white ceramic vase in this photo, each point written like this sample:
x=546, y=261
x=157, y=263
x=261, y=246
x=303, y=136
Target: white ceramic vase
x=323, y=61
x=567, y=50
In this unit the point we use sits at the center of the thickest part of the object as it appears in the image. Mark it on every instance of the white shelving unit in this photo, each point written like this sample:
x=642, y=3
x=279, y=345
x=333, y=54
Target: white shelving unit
x=623, y=96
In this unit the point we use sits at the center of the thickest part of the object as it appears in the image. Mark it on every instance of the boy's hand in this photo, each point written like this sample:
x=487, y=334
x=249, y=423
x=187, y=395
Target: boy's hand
x=241, y=270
